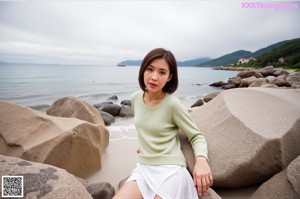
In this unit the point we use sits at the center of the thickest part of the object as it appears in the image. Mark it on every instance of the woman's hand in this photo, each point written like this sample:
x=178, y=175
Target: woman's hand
x=202, y=175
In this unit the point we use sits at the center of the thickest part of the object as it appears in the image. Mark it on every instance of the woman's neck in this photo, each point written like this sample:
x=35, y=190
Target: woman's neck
x=153, y=99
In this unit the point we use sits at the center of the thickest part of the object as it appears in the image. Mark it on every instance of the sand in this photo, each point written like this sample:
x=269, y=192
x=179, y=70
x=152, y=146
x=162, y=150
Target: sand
x=120, y=157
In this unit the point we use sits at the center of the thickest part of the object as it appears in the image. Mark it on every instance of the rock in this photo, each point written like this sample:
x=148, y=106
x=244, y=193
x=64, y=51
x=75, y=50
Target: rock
x=292, y=78
x=246, y=74
x=248, y=139
x=99, y=106
x=247, y=81
x=293, y=175
x=296, y=85
x=113, y=98
x=43, y=181
x=75, y=108
x=210, y=96
x=211, y=194
x=271, y=79
x=285, y=184
x=218, y=84
x=269, y=85
x=259, y=82
x=126, y=111
x=108, y=118
x=229, y=86
x=280, y=80
x=235, y=80
x=102, y=190
x=68, y=143
x=199, y=102
x=126, y=102
x=280, y=71
x=112, y=109
x=266, y=71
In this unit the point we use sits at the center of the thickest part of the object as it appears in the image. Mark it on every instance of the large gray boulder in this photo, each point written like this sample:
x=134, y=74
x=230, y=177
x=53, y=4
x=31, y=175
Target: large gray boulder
x=210, y=96
x=108, y=118
x=199, y=102
x=112, y=109
x=68, y=143
x=280, y=80
x=126, y=111
x=252, y=134
x=285, y=184
x=266, y=71
x=246, y=74
x=247, y=81
x=234, y=80
x=259, y=82
x=43, y=181
x=75, y=108
x=293, y=78
x=280, y=71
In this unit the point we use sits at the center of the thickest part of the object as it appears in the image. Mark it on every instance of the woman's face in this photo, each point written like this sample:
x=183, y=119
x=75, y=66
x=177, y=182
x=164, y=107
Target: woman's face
x=156, y=75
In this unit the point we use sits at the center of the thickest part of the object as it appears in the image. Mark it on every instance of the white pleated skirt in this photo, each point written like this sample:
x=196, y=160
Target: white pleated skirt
x=166, y=181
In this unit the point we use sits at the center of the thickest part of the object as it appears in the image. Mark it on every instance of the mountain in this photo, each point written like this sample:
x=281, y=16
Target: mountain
x=227, y=59
x=130, y=63
x=234, y=56
x=289, y=53
x=193, y=62
x=270, y=48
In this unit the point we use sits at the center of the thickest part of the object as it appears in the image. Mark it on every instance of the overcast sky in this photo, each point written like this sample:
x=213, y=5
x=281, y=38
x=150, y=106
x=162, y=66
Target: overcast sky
x=108, y=32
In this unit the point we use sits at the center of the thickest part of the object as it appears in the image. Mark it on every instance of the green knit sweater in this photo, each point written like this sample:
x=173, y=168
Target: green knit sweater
x=157, y=128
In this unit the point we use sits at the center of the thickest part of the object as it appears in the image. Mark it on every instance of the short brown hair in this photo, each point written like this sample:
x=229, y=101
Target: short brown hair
x=171, y=86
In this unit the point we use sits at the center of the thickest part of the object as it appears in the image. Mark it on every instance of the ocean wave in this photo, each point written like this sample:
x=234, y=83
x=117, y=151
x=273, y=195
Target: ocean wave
x=128, y=128
x=96, y=95
x=103, y=95
x=22, y=97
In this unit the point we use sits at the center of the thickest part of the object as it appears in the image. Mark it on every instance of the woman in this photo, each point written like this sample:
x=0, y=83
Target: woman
x=161, y=171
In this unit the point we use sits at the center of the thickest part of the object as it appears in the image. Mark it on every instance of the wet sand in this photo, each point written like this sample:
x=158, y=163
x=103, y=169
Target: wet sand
x=120, y=156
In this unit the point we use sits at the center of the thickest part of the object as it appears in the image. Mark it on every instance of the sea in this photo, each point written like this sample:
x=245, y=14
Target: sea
x=38, y=86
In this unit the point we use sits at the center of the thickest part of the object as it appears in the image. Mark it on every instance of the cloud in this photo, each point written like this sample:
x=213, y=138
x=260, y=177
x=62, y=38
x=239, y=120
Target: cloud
x=107, y=32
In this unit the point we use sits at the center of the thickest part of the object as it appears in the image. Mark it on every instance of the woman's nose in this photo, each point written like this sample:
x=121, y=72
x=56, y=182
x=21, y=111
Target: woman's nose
x=154, y=76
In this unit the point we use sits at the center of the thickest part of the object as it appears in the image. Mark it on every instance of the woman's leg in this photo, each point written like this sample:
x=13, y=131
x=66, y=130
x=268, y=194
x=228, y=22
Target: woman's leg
x=129, y=190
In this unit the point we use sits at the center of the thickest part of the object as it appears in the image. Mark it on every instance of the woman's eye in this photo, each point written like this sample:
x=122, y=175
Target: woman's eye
x=149, y=69
x=162, y=73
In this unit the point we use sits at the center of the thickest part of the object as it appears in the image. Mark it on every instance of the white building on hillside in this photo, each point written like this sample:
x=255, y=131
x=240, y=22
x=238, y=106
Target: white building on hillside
x=245, y=60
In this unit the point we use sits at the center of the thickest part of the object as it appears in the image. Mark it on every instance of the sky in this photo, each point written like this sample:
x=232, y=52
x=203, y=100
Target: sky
x=108, y=32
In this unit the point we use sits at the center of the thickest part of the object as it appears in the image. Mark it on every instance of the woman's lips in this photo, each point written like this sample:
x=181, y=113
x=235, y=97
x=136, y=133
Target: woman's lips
x=152, y=85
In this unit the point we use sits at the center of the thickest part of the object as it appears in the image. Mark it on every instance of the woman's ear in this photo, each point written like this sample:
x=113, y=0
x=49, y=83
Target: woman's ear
x=170, y=77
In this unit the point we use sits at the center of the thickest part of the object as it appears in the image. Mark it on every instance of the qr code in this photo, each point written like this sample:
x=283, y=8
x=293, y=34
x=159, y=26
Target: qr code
x=12, y=186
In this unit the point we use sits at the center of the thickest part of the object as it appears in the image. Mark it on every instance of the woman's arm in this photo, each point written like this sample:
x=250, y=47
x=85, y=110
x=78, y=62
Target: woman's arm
x=202, y=175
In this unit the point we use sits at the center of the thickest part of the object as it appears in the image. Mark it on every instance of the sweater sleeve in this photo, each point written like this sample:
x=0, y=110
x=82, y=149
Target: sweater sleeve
x=183, y=120
x=134, y=97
